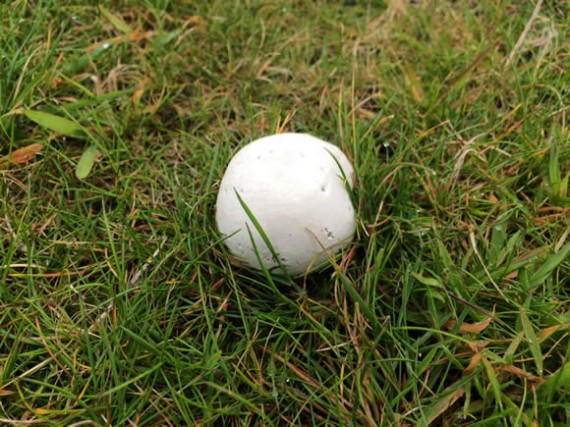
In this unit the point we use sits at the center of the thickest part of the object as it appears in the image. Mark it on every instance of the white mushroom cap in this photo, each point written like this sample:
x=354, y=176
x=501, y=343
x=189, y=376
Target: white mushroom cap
x=295, y=189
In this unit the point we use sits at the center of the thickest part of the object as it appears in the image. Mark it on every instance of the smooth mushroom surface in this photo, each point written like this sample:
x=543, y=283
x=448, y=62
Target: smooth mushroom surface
x=294, y=186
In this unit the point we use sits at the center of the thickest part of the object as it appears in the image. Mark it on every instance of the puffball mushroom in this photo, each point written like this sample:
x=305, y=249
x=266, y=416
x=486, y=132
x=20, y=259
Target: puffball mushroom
x=294, y=187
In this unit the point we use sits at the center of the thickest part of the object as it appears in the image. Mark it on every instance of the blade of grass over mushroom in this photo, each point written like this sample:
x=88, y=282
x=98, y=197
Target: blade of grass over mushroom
x=266, y=273
x=345, y=179
x=264, y=237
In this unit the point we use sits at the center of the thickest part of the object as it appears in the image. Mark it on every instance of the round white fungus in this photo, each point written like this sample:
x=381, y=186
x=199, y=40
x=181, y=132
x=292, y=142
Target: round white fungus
x=294, y=187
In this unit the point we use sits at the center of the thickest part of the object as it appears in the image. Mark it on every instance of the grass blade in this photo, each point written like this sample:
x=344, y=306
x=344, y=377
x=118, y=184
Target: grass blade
x=115, y=20
x=263, y=235
x=55, y=123
x=86, y=162
x=532, y=341
x=546, y=269
x=556, y=381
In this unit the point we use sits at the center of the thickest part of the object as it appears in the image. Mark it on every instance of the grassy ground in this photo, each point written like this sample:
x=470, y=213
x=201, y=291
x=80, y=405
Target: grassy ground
x=118, y=303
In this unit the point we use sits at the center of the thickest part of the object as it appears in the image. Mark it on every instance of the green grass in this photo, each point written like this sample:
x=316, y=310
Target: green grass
x=118, y=301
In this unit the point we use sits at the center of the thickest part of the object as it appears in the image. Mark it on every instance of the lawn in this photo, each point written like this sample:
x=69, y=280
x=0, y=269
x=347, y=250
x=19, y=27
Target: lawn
x=120, y=305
